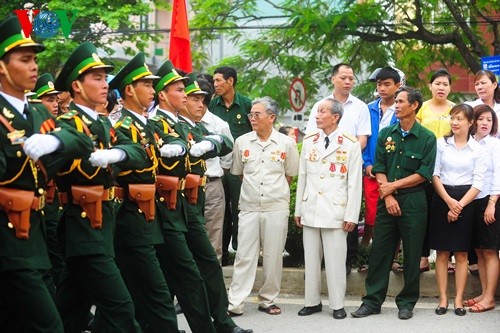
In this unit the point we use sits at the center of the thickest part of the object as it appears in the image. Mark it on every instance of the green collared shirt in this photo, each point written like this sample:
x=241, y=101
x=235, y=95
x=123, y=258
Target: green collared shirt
x=236, y=115
x=400, y=156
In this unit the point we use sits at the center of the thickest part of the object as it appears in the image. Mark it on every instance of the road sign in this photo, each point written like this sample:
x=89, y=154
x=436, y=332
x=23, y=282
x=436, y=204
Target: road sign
x=491, y=64
x=297, y=95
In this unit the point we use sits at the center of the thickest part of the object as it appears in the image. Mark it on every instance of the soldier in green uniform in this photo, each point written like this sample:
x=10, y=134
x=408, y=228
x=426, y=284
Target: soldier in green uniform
x=136, y=226
x=32, y=147
x=90, y=275
x=181, y=271
x=45, y=94
x=233, y=108
x=197, y=238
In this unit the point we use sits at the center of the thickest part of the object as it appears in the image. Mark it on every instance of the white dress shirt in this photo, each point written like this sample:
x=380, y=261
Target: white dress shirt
x=491, y=146
x=355, y=119
x=460, y=166
x=216, y=125
x=17, y=103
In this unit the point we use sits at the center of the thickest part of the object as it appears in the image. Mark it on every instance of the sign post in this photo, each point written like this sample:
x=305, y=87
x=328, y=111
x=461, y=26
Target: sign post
x=297, y=95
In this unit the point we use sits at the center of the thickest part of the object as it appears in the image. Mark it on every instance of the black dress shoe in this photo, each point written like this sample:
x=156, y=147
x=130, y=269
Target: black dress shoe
x=309, y=310
x=339, y=314
x=460, y=311
x=364, y=311
x=405, y=314
x=441, y=310
x=238, y=329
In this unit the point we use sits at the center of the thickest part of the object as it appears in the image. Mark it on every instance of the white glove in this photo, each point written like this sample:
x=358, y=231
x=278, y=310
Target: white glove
x=201, y=148
x=215, y=137
x=171, y=150
x=38, y=145
x=103, y=157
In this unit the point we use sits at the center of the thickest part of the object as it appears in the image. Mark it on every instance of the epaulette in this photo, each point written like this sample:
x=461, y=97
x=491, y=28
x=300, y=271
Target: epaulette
x=156, y=118
x=68, y=115
x=125, y=122
x=310, y=135
x=350, y=137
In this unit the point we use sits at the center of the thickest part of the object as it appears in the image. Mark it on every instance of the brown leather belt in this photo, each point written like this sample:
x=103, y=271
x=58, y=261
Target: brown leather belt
x=39, y=202
x=107, y=195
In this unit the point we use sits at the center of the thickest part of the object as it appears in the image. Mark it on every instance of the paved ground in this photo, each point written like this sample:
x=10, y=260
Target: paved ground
x=424, y=319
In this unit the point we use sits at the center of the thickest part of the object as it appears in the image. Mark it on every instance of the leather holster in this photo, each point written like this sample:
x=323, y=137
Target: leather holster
x=89, y=198
x=51, y=191
x=167, y=187
x=17, y=204
x=192, y=183
x=144, y=196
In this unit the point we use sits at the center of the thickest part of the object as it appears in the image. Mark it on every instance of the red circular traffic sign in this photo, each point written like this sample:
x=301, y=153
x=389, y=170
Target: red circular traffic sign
x=297, y=94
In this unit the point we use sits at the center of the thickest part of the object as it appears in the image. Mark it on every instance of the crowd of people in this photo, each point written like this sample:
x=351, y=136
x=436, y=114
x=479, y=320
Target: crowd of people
x=125, y=191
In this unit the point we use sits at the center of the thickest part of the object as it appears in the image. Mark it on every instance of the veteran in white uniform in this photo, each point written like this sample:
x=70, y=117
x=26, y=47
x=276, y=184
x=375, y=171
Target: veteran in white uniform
x=328, y=205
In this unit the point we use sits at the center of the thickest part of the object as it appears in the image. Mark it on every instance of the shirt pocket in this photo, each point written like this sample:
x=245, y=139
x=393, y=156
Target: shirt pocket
x=411, y=161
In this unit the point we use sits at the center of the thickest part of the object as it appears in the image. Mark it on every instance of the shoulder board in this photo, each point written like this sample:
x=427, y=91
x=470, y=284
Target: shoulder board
x=68, y=115
x=350, y=137
x=310, y=135
x=156, y=118
x=125, y=122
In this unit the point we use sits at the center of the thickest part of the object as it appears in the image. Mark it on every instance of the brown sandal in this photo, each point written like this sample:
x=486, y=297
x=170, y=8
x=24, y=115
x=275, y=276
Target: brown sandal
x=271, y=310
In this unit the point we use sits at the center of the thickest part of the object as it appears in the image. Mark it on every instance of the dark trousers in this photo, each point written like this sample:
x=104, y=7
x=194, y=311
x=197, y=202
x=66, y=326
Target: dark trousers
x=232, y=188
x=352, y=246
x=410, y=227
x=26, y=304
x=211, y=272
x=185, y=281
x=154, y=309
x=95, y=279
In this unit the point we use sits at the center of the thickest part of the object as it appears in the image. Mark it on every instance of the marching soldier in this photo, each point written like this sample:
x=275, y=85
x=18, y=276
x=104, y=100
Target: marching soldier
x=90, y=275
x=197, y=238
x=181, y=271
x=136, y=225
x=45, y=95
x=32, y=146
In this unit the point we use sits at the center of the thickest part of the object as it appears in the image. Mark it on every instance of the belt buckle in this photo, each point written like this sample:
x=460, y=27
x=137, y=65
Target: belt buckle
x=41, y=202
x=111, y=193
x=182, y=184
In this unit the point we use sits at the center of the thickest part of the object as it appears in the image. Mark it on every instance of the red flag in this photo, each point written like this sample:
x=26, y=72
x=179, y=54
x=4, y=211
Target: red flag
x=180, y=44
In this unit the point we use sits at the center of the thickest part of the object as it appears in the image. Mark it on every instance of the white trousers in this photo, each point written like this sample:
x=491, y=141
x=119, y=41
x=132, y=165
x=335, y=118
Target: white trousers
x=333, y=245
x=256, y=230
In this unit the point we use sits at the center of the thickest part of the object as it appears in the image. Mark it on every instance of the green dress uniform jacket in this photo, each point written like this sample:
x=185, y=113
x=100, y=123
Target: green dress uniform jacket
x=21, y=260
x=136, y=236
x=90, y=275
x=398, y=157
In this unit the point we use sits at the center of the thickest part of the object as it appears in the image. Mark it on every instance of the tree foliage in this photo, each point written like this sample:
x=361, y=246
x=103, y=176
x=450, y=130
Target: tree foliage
x=411, y=34
x=103, y=22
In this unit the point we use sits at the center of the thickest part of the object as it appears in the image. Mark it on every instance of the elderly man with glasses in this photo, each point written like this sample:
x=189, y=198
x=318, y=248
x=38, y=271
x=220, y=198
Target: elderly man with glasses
x=266, y=161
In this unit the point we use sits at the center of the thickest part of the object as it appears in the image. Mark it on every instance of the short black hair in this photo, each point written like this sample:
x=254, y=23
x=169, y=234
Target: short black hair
x=227, y=72
x=206, y=86
x=336, y=68
x=413, y=94
x=441, y=73
x=388, y=73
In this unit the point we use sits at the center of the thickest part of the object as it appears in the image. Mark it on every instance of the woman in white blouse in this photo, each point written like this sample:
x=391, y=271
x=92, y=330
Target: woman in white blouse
x=486, y=237
x=458, y=178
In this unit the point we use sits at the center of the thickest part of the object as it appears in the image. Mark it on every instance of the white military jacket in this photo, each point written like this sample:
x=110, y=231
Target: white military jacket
x=329, y=184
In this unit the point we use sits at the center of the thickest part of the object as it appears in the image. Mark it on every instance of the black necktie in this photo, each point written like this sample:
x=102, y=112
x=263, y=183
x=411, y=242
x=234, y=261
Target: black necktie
x=327, y=142
x=27, y=112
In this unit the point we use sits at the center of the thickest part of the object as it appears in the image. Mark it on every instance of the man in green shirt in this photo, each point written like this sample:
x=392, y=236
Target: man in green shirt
x=233, y=108
x=405, y=157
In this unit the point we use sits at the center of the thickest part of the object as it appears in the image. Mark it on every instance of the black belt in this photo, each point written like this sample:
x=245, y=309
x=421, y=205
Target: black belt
x=212, y=179
x=409, y=190
x=457, y=187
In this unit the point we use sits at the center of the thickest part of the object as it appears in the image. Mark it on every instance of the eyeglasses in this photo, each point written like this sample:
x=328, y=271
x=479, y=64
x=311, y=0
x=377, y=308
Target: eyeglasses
x=257, y=115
